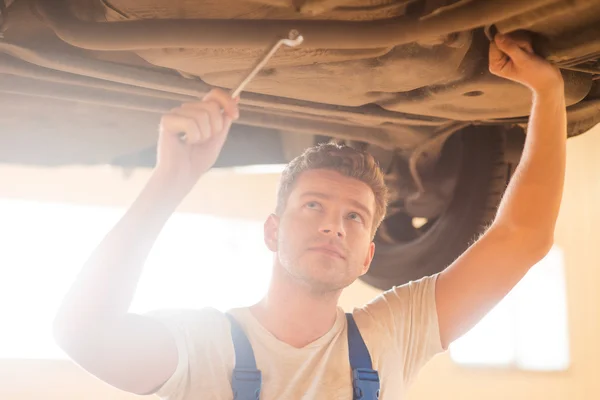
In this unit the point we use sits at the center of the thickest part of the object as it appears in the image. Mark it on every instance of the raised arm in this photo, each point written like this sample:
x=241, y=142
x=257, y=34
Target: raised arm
x=93, y=326
x=523, y=230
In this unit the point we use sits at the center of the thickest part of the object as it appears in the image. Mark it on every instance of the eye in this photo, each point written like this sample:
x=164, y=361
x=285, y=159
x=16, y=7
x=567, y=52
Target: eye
x=355, y=216
x=313, y=205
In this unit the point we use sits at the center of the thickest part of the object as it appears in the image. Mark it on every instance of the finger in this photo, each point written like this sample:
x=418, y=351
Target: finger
x=215, y=115
x=523, y=40
x=228, y=104
x=202, y=121
x=508, y=46
x=222, y=135
x=173, y=124
x=527, y=47
x=499, y=62
x=227, y=124
x=524, y=45
x=214, y=111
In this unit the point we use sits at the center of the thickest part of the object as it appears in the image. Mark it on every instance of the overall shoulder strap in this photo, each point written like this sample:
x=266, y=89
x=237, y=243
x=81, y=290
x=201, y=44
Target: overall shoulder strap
x=365, y=380
x=246, y=379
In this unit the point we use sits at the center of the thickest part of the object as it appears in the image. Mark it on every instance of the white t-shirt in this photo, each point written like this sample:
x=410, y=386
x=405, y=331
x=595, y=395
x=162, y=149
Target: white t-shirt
x=399, y=327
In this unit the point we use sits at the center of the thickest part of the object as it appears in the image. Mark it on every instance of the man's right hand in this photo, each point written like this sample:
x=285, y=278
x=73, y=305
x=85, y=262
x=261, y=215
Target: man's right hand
x=205, y=125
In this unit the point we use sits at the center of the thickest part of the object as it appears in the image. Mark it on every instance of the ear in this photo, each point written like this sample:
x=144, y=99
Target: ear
x=271, y=229
x=368, y=259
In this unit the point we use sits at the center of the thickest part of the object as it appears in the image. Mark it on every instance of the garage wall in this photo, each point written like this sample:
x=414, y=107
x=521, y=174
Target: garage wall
x=224, y=193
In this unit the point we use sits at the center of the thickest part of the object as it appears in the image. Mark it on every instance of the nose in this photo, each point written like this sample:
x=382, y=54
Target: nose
x=333, y=226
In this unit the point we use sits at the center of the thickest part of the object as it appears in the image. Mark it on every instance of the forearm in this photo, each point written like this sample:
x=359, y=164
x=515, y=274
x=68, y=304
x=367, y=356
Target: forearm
x=532, y=200
x=105, y=287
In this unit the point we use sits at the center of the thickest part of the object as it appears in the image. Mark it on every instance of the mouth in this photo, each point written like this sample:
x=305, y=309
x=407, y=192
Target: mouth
x=330, y=251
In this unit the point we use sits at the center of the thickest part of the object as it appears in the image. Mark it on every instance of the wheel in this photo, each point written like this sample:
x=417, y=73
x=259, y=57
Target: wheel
x=404, y=252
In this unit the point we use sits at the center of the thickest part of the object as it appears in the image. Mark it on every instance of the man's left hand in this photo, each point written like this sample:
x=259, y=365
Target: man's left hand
x=512, y=57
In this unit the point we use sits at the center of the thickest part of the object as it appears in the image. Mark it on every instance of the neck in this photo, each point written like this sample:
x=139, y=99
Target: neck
x=293, y=313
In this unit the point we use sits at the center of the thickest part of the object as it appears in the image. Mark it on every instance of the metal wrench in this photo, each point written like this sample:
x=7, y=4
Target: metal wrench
x=294, y=39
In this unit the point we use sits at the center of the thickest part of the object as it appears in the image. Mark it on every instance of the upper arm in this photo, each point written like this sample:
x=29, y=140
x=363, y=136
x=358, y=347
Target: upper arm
x=136, y=353
x=482, y=276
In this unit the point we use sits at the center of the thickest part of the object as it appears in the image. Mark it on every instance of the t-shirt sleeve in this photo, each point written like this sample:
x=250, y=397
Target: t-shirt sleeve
x=405, y=317
x=198, y=335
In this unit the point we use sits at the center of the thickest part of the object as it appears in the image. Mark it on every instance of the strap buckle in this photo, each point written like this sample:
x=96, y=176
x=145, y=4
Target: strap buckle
x=246, y=383
x=365, y=382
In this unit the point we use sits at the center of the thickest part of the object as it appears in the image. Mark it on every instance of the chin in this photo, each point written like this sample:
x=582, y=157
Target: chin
x=322, y=283
x=325, y=262
x=321, y=287
x=322, y=273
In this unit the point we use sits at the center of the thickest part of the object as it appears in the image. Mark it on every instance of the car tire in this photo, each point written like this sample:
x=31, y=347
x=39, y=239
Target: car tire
x=484, y=173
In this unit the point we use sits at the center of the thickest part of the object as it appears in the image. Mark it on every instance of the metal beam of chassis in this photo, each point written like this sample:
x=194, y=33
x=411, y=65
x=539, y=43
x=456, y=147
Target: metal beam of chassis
x=115, y=95
x=139, y=35
x=385, y=128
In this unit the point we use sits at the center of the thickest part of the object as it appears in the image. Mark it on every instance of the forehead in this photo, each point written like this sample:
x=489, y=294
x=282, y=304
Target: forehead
x=335, y=185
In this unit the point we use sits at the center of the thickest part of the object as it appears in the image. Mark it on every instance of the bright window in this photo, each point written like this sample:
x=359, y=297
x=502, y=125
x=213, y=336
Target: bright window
x=197, y=261
x=202, y=260
x=528, y=329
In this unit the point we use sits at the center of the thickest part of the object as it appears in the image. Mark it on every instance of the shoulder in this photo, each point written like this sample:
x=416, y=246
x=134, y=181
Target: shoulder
x=205, y=351
x=400, y=317
x=195, y=327
x=402, y=322
x=398, y=303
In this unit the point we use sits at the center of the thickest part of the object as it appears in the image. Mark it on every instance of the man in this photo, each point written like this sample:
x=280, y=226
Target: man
x=330, y=202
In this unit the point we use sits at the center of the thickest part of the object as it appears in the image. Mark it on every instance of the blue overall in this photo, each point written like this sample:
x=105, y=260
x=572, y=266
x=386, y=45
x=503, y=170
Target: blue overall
x=246, y=379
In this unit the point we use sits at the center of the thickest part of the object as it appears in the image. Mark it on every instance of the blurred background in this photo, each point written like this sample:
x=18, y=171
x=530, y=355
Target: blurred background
x=540, y=342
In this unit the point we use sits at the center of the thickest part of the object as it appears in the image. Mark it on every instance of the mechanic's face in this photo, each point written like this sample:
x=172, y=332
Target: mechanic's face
x=323, y=237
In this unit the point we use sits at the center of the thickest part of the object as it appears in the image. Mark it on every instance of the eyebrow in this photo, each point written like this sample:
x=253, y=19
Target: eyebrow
x=324, y=196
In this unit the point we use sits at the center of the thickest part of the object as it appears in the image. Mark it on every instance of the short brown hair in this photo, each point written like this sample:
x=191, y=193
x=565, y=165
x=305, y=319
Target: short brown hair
x=341, y=158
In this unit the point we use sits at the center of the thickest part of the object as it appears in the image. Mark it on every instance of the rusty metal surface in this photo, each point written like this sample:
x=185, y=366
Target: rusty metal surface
x=252, y=33
x=446, y=79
